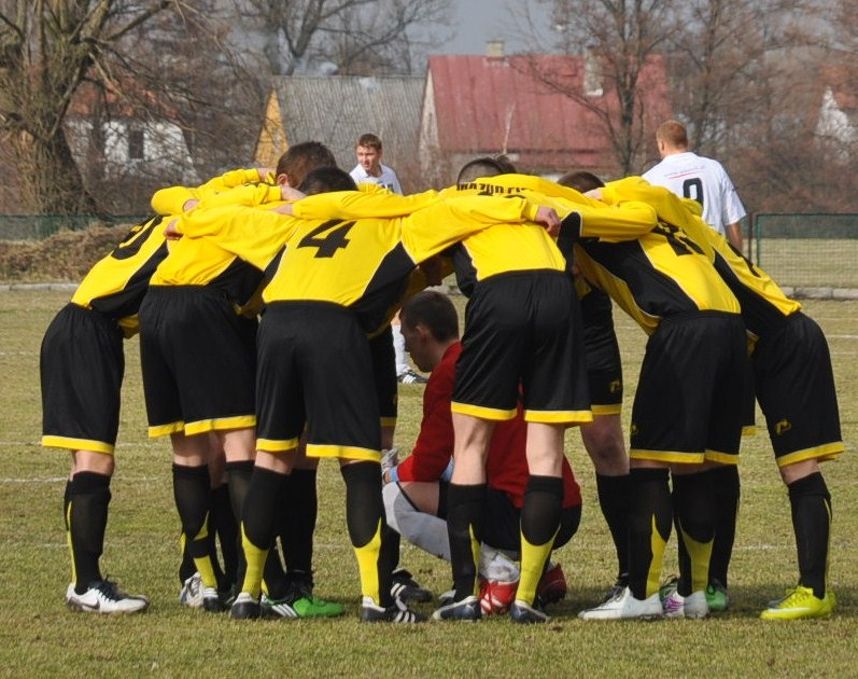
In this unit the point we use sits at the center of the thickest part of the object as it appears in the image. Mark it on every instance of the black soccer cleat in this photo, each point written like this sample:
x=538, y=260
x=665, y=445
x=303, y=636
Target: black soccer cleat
x=397, y=612
x=245, y=607
x=405, y=587
x=524, y=613
x=467, y=610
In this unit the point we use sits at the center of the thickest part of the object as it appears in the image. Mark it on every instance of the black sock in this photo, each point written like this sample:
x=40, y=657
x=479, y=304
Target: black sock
x=66, y=502
x=694, y=510
x=724, y=482
x=238, y=476
x=649, y=498
x=543, y=502
x=225, y=526
x=192, y=495
x=300, y=507
x=259, y=506
x=365, y=517
x=89, y=497
x=614, y=500
x=465, y=506
x=810, y=502
x=187, y=567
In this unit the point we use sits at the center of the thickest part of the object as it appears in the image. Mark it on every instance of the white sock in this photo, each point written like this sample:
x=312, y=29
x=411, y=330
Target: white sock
x=399, y=350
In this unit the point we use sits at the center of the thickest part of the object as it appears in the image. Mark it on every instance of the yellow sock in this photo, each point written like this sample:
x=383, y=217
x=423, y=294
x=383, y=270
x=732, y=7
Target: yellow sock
x=657, y=544
x=255, y=558
x=533, y=558
x=204, y=563
x=700, y=554
x=367, y=558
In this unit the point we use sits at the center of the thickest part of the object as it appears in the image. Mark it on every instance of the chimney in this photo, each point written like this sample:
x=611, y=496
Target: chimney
x=494, y=49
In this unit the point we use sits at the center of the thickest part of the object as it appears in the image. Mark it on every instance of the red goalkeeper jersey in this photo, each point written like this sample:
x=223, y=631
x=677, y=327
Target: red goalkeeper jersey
x=506, y=468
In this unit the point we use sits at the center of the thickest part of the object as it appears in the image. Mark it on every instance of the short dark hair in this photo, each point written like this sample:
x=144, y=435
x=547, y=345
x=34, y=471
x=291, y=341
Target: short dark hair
x=486, y=166
x=581, y=180
x=434, y=310
x=325, y=179
x=369, y=140
x=301, y=158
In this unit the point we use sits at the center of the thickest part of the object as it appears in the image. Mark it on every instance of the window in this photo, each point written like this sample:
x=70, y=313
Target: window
x=135, y=144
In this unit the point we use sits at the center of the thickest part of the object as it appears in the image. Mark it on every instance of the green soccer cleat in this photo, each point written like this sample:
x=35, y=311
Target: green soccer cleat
x=800, y=603
x=716, y=597
x=315, y=607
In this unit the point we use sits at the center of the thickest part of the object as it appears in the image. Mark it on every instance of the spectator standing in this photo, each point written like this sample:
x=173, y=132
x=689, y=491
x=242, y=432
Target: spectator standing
x=703, y=179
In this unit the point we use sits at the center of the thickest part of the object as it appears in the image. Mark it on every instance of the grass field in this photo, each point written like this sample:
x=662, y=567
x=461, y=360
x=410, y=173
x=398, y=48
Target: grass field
x=38, y=636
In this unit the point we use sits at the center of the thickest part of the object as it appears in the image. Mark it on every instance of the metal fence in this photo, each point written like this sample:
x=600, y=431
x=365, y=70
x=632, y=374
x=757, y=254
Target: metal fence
x=812, y=250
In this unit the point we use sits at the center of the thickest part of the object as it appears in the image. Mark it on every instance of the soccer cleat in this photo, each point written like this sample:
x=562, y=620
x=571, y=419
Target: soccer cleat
x=245, y=607
x=103, y=596
x=446, y=597
x=211, y=600
x=800, y=603
x=522, y=612
x=668, y=588
x=306, y=605
x=191, y=594
x=406, y=588
x=693, y=606
x=396, y=612
x=617, y=588
x=496, y=596
x=625, y=606
x=716, y=597
x=410, y=377
x=552, y=586
x=468, y=610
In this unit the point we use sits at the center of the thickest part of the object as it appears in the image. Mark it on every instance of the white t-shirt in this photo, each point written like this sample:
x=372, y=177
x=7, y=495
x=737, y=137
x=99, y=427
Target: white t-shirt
x=387, y=179
x=703, y=179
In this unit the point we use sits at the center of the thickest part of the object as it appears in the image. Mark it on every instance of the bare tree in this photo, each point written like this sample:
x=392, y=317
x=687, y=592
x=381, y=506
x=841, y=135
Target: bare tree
x=353, y=35
x=47, y=50
x=621, y=44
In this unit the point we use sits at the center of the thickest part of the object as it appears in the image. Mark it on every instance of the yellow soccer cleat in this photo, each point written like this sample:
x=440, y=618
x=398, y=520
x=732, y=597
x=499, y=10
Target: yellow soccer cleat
x=800, y=603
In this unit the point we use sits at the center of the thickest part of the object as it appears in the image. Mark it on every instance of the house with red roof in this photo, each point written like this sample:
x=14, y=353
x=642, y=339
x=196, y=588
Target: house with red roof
x=548, y=113
x=838, y=111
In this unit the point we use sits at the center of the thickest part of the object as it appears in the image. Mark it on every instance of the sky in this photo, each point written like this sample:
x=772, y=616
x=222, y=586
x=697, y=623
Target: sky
x=478, y=21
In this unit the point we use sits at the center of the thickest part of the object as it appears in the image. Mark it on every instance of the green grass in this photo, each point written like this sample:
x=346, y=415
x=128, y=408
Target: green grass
x=38, y=636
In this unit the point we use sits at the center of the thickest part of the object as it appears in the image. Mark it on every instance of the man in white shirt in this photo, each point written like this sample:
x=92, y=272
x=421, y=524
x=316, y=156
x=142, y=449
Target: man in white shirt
x=369, y=168
x=691, y=176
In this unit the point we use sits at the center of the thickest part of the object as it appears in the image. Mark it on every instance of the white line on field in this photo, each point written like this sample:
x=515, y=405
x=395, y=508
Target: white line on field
x=842, y=336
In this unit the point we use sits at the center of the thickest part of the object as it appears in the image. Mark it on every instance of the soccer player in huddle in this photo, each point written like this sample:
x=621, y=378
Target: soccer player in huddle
x=416, y=493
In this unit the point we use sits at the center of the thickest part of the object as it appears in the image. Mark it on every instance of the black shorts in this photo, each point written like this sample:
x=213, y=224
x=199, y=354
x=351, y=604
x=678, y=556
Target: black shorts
x=688, y=405
x=794, y=382
x=315, y=366
x=602, y=354
x=523, y=329
x=199, y=361
x=81, y=368
x=384, y=369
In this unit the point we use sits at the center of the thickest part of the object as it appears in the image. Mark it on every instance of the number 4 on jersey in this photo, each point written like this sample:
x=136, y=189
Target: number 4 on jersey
x=328, y=238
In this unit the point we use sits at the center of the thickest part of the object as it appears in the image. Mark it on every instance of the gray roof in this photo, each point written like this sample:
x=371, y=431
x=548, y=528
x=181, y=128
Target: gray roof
x=336, y=110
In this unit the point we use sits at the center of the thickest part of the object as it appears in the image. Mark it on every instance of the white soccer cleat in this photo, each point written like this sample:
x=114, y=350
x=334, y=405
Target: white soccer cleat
x=103, y=596
x=624, y=606
x=191, y=594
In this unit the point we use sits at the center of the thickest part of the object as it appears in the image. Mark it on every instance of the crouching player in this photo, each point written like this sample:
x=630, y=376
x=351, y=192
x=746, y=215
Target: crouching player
x=415, y=500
